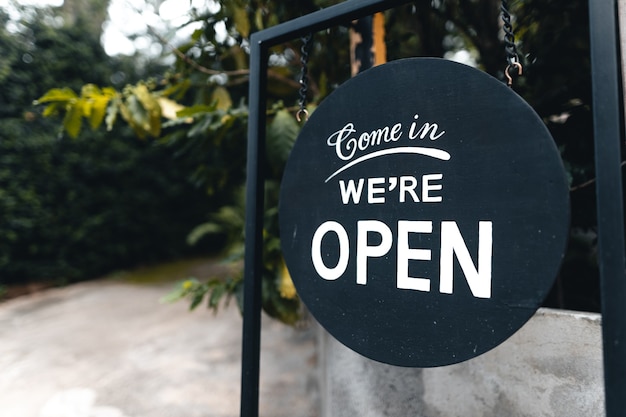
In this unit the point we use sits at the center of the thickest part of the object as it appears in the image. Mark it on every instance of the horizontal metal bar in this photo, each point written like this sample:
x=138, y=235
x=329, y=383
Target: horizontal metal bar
x=321, y=20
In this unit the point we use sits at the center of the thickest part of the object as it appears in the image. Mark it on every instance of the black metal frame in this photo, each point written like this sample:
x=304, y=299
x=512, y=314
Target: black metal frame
x=607, y=124
x=608, y=111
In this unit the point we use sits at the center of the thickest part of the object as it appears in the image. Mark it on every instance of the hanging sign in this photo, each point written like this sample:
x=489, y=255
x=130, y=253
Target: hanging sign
x=423, y=212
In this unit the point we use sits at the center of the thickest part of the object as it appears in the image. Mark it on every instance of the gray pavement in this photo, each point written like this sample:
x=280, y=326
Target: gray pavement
x=109, y=348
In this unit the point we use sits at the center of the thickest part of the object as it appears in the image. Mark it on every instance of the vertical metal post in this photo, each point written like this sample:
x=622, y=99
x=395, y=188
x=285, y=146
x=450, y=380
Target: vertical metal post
x=260, y=42
x=612, y=258
x=251, y=344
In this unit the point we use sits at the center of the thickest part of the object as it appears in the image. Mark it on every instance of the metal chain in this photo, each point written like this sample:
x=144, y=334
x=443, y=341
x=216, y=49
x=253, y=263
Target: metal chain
x=304, y=76
x=512, y=56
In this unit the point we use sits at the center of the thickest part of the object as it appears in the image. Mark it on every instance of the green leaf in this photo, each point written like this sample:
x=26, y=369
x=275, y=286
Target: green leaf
x=90, y=90
x=73, y=117
x=258, y=18
x=98, y=111
x=196, y=300
x=180, y=291
x=143, y=95
x=152, y=124
x=281, y=137
x=135, y=115
x=111, y=116
x=230, y=216
x=131, y=116
x=242, y=24
x=142, y=112
x=202, y=230
x=201, y=126
x=216, y=295
x=197, y=34
x=109, y=91
x=57, y=94
x=221, y=98
x=52, y=109
x=195, y=110
x=169, y=108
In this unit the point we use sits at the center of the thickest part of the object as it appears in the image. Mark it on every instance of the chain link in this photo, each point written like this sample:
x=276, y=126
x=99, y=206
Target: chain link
x=304, y=76
x=512, y=56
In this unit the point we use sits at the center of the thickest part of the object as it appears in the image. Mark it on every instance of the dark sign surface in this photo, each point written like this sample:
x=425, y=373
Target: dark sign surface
x=424, y=213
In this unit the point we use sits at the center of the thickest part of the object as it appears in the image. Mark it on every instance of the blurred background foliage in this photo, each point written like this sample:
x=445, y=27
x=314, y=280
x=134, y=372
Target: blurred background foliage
x=195, y=111
x=73, y=209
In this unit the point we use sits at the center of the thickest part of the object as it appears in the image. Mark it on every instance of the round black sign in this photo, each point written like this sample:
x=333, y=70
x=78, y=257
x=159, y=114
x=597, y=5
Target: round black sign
x=424, y=213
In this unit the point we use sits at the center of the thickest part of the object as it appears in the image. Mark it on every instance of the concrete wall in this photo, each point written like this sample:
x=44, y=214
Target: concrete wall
x=551, y=367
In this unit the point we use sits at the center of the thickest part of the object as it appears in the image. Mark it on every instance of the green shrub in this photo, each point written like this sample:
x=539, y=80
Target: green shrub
x=72, y=209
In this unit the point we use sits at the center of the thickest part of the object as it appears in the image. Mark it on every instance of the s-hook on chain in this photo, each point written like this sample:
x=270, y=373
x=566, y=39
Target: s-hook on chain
x=304, y=77
x=512, y=56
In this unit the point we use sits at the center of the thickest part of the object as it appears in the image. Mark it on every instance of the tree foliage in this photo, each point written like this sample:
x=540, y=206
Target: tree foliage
x=198, y=108
x=72, y=209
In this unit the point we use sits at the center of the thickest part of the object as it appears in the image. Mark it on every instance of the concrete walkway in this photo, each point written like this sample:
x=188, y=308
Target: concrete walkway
x=109, y=348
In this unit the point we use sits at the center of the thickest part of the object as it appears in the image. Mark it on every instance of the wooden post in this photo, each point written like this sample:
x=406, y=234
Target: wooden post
x=367, y=43
x=380, y=48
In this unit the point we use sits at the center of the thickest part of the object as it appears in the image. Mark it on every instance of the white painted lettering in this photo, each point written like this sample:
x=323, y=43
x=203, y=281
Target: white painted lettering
x=427, y=186
x=405, y=253
x=396, y=132
x=373, y=191
x=364, y=251
x=379, y=135
x=351, y=191
x=478, y=279
x=330, y=274
x=344, y=151
x=452, y=243
x=426, y=130
x=364, y=141
x=407, y=186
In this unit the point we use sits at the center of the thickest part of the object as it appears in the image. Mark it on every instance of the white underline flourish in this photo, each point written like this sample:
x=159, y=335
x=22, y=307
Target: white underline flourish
x=433, y=153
